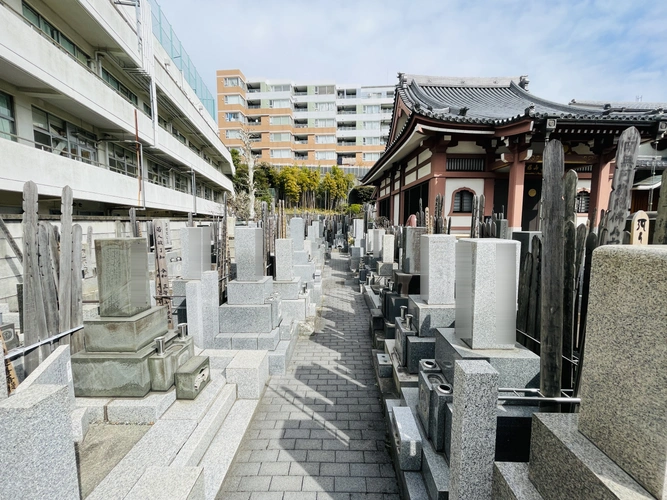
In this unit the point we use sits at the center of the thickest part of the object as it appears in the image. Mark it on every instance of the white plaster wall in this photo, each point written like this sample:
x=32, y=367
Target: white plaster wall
x=453, y=184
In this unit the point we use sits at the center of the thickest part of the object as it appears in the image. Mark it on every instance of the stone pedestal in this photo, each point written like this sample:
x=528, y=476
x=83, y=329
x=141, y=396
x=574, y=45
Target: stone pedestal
x=388, y=244
x=429, y=317
x=487, y=274
x=473, y=435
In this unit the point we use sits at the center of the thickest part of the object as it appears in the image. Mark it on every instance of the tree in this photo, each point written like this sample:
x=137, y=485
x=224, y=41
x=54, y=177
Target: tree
x=309, y=180
x=249, y=158
x=289, y=184
x=264, y=180
x=240, y=179
x=361, y=194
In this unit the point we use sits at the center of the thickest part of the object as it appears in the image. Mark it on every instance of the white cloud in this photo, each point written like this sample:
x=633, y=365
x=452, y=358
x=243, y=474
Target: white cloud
x=602, y=50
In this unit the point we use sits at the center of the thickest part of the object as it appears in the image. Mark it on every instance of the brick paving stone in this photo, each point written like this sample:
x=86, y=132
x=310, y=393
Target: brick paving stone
x=318, y=432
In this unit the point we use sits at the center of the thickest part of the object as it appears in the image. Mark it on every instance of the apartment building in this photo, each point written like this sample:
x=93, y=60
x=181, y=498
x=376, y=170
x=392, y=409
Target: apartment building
x=317, y=124
x=101, y=96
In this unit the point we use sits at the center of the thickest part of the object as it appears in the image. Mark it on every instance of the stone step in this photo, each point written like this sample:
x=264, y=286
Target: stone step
x=169, y=483
x=565, y=464
x=200, y=440
x=80, y=422
x=146, y=410
x=248, y=341
x=196, y=409
x=280, y=358
x=158, y=447
x=220, y=454
x=435, y=469
x=249, y=370
x=511, y=482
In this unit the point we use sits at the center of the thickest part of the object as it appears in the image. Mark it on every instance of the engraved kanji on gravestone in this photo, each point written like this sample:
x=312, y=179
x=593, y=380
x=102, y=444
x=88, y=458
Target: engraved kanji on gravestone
x=639, y=230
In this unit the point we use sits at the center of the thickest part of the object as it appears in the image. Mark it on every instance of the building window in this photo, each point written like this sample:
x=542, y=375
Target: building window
x=280, y=120
x=325, y=155
x=281, y=88
x=371, y=125
x=372, y=141
x=583, y=202
x=371, y=156
x=280, y=103
x=181, y=183
x=157, y=174
x=113, y=82
x=325, y=89
x=280, y=137
x=234, y=99
x=232, y=81
x=7, y=125
x=463, y=201
x=325, y=123
x=57, y=136
x=325, y=106
x=233, y=117
x=375, y=109
x=281, y=153
x=122, y=161
x=178, y=135
x=233, y=134
x=47, y=28
x=325, y=139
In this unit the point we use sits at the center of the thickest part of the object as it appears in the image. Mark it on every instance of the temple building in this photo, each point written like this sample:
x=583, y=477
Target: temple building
x=461, y=137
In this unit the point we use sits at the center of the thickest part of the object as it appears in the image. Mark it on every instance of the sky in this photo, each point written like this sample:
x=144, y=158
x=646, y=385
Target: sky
x=607, y=50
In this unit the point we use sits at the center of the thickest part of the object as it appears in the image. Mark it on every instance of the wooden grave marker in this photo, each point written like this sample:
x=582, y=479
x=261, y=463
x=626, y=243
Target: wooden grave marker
x=639, y=231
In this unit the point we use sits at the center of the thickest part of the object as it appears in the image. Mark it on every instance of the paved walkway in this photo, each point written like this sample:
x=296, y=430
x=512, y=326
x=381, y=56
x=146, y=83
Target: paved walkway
x=319, y=432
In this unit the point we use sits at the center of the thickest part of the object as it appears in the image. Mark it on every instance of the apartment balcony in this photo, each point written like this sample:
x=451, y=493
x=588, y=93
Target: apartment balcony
x=254, y=124
x=346, y=127
x=300, y=125
x=254, y=106
x=301, y=141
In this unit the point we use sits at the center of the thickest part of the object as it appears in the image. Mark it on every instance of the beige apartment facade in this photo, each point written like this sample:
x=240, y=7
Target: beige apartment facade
x=314, y=124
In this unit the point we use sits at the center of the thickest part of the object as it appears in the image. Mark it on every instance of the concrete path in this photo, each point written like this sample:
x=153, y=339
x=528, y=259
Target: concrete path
x=319, y=432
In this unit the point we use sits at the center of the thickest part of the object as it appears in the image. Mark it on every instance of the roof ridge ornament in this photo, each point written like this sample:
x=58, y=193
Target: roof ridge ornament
x=523, y=82
x=530, y=110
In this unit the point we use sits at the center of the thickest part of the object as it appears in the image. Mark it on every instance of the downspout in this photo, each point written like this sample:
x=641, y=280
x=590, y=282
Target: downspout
x=194, y=192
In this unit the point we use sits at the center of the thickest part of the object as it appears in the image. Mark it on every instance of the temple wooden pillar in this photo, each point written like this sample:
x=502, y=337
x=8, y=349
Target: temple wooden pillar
x=600, y=187
x=515, y=195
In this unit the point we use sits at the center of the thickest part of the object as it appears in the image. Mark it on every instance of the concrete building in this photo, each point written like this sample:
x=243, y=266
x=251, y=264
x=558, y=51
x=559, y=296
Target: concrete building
x=317, y=124
x=101, y=96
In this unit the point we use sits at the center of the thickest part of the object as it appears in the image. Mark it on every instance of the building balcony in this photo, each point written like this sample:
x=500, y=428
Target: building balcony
x=89, y=180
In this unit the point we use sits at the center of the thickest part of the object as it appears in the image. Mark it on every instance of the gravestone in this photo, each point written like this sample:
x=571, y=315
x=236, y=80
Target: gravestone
x=626, y=352
x=487, y=273
x=249, y=253
x=284, y=260
x=358, y=228
x=388, y=243
x=411, y=249
x=195, y=251
x=297, y=232
x=437, y=266
x=122, y=276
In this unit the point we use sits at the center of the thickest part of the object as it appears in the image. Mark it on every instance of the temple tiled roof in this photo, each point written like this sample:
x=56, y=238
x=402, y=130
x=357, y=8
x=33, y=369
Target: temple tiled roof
x=496, y=101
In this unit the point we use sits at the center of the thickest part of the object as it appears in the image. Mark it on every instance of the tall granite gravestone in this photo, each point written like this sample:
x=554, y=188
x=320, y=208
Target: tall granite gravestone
x=294, y=302
x=485, y=311
x=385, y=264
x=616, y=446
x=626, y=353
x=407, y=278
x=303, y=264
x=487, y=273
x=195, y=251
x=251, y=317
x=120, y=357
x=434, y=306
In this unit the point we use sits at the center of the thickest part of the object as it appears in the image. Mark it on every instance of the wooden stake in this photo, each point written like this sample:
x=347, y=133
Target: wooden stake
x=619, y=201
x=76, y=298
x=551, y=331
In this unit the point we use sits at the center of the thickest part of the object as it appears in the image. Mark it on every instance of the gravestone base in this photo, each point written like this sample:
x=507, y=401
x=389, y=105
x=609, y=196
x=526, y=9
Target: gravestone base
x=300, y=257
x=418, y=348
x=116, y=334
x=294, y=310
x=249, y=292
x=246, y=318
x=109, y=374
x=565, y=464
x=401, y=346
x=288, y=290
x=428, y=317
x=517, y=368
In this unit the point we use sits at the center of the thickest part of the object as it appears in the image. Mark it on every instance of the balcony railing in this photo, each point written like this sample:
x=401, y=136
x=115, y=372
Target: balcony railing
x=301, y=141
x=300, y=93
x=254, y=106
x=347, y=111
x=346, y=127
x=254, y=124
x=300, y=125
x=254, y=91
x=349, y=143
